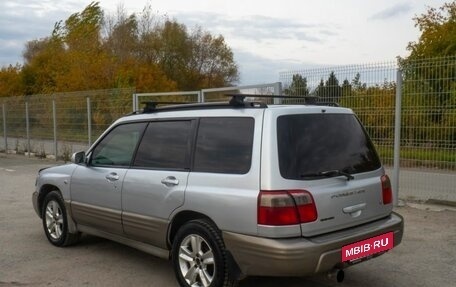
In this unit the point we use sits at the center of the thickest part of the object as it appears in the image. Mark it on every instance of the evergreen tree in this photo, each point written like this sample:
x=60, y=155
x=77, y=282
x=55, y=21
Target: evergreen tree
x=298, y=86
x=329, y=90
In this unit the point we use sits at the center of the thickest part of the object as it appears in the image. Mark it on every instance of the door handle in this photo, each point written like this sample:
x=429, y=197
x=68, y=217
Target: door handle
x=112, y=176
x=354, y=210
x=170, y=181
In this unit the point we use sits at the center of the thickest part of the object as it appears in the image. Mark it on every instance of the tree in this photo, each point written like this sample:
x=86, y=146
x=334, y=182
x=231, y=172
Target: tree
x=333, y=90
x=90, y=50
x=122, y=36
x=356, y=83
x=437, y=39
x=193, y=60
x=44, y=65
x=298, y=86
x=329, y=91
x=10, y=81
x=87, y=62
x=211, y=63
x=438, y=33
x=346, y=88
x=430, y=70
x=70, y=59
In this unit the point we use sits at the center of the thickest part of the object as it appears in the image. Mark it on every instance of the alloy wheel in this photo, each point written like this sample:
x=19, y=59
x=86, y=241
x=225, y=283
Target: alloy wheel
x=196, y=261
x=54, y=219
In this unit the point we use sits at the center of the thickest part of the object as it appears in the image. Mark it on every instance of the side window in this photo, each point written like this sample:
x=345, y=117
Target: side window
x=165, y=145
x=117, y=148
x=224, y=145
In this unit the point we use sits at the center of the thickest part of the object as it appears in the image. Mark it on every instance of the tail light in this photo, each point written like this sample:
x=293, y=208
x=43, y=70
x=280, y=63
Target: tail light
x=387, y=192
x=286, y=207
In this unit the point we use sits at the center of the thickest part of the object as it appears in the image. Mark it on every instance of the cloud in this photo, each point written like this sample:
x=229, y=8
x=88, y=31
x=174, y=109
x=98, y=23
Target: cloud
x=255, y=27
x=259, y=70
x=25, y=20
x=10, y=52
x=41, y=8
x=391, y=12
x=255, y=35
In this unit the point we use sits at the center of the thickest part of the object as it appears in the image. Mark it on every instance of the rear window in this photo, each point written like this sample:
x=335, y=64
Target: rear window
x=311, y=145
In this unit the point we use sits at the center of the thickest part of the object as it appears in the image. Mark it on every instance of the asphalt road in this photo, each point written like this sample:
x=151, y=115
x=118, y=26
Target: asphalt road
x=424, y=184
x=426, y=257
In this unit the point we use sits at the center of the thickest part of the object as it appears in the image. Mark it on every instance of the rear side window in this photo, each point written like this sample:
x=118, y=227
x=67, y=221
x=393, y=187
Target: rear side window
x=224, y=145
x=310, y=145
x=165, y=145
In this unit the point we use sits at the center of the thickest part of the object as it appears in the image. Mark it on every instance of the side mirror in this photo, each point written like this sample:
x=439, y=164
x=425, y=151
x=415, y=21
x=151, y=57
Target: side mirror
x=78, y=157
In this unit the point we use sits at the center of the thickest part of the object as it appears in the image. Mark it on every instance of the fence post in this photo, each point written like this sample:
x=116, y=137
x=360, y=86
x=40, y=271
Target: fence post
x=54, y=119
x=397, y=136
x=4, y=128
x=89, y=121
x=277, y=92
x=27, y=126
x=134, y=102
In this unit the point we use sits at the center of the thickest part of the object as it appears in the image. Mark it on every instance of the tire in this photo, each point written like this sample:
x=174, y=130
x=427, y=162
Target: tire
x=55, y=222
x=199, y=257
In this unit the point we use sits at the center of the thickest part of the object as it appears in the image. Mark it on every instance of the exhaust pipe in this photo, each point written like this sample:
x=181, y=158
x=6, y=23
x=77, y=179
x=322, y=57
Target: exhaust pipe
x=338, y=274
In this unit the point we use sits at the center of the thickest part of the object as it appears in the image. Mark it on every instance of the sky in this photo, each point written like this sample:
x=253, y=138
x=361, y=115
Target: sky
x=267, y=37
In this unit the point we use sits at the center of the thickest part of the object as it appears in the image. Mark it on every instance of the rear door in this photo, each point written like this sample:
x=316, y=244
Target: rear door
x=331, y=156
x=156, y=182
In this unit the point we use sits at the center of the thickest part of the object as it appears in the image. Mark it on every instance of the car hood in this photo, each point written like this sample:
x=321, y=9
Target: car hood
x=66, y=169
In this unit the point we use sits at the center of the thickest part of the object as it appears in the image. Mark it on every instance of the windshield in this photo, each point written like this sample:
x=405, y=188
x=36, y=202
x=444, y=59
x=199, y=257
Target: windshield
x=310, y=145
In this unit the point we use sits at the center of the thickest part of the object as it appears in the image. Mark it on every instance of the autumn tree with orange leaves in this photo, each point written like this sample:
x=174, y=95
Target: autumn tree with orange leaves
x=90, y=50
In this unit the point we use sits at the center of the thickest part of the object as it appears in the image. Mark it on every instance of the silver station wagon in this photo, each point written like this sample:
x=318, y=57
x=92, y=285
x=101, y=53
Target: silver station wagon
x=229, y=190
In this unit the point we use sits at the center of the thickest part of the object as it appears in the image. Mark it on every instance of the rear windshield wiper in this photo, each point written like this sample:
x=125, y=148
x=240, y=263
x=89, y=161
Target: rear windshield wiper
x=328, y=173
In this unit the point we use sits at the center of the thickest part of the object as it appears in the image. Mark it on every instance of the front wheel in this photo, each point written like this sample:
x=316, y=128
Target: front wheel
x=55, y=222
x=199, y=256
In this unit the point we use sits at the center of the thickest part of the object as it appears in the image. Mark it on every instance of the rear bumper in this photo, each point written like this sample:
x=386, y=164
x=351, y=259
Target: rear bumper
x=303, y=256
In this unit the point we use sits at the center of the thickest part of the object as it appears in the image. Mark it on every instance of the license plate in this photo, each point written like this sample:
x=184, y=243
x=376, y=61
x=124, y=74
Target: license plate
x=368, y=247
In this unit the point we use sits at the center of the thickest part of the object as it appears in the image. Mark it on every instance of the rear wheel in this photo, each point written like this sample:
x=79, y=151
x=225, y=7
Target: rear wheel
x=199, y=256
x=55, y=222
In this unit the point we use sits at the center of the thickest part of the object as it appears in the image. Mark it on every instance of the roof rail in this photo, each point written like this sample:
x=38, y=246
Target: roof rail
x=152, y=106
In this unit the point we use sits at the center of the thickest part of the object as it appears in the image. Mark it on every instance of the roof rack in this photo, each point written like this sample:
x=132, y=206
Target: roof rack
x=152, y=107
x=236, y=101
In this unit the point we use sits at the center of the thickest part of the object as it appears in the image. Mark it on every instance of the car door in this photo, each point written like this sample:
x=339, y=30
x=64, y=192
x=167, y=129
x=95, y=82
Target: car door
x=156, y=182
x=96, y=187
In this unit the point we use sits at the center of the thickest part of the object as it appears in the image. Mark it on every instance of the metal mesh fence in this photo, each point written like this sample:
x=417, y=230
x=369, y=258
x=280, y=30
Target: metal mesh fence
x=219, y=94
x=429, y=113
x=60, y=123
x=428, y=130
x=140, y=100
x=367, y=89
x=427, y=94
x=426, y=89
x=206, y=95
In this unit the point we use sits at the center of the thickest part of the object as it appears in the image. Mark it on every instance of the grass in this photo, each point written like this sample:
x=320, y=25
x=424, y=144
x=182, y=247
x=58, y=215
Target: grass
x=422, y=156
